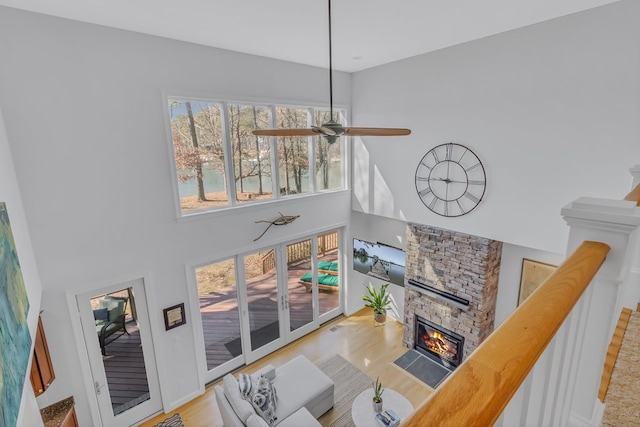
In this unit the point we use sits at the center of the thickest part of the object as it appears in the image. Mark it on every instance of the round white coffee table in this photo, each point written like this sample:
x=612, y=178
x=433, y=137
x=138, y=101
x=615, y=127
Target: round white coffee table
x=362, y=407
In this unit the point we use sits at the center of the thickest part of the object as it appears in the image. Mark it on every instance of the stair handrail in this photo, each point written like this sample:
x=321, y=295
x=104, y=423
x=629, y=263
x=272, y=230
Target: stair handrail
x=634, y=195
x=477, y=392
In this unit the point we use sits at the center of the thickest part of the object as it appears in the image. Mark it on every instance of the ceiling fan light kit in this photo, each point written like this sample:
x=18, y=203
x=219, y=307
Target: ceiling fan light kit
x=332, y=130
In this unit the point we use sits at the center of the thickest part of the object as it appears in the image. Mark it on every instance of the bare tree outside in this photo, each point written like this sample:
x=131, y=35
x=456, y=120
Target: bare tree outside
x=202, y=153
x=197, y=141
x=197, y=167
x=251, y=154
x=294, y=151
x=327, y=155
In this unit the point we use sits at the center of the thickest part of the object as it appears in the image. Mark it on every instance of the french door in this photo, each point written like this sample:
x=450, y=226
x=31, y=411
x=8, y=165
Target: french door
x=115, y=326
x=264, y=303
x=253, y=304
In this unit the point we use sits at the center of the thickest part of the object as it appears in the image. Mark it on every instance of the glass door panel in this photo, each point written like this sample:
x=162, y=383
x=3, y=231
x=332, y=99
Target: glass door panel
x=328, y=272
x=121, y=348
x=299, y=295
x=218, y=297
x=115, y=325
x=263, y=300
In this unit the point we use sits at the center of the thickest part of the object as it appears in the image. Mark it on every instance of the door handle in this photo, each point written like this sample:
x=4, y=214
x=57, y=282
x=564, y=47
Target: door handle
x=98, y=387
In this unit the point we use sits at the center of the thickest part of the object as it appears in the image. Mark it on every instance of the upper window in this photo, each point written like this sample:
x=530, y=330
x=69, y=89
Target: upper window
x=220, y=163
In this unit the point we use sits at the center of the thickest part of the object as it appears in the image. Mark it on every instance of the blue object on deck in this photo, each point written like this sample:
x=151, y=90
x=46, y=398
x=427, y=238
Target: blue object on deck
x=323, y=279
x=328, y=265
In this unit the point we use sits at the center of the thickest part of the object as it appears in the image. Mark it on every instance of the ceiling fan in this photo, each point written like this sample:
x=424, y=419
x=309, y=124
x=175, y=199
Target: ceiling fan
x=332, y=130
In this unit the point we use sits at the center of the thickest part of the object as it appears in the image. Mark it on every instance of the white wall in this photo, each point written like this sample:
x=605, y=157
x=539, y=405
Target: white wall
x=511, y=273
x=84, y=112
x=551, y=110
x=374, y=229
x=10, y=195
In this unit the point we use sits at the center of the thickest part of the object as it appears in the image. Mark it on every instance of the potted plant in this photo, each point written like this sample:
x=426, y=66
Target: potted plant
x=378, y=301
x=377, y=395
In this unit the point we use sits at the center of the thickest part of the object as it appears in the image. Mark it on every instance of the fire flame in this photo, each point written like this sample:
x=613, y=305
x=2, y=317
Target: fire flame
x=436, y=343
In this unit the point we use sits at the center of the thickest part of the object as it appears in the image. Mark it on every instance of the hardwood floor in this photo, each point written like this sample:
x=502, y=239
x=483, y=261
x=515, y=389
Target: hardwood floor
x=371, y=348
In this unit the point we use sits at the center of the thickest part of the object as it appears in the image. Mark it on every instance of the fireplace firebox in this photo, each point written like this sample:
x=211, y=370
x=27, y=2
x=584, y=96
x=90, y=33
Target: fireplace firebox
x=438, y=343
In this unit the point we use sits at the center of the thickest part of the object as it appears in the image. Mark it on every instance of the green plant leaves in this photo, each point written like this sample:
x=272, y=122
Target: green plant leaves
x=378, y=301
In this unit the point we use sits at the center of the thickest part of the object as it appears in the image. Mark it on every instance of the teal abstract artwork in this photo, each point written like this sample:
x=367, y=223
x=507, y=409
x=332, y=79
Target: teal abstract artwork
x=15, y=341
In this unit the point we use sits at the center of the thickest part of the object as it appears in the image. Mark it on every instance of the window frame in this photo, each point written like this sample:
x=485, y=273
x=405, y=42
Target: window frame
x=227, y=146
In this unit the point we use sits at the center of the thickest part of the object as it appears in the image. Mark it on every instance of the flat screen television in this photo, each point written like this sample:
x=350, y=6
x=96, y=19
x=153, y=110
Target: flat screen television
x=379, y=260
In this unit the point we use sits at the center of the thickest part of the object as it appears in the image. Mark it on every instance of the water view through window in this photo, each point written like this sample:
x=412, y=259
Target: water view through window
x=209, y=136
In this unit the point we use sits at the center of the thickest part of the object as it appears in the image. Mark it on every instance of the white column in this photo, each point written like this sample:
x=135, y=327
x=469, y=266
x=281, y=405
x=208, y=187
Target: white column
x=635, y=173
x=631, y=292
x=593, y=320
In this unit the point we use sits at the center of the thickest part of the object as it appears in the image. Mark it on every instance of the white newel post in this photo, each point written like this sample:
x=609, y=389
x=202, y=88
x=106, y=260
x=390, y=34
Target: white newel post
x=635, y=173
x=592, y=322
x=631, y=292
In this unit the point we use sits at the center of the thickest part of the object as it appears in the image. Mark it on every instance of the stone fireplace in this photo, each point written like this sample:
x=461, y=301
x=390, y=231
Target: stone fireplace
x=451, y=286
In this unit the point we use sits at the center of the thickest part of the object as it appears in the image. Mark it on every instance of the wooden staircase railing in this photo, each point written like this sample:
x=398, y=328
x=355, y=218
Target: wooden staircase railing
x=477, y=392
x=634, y=195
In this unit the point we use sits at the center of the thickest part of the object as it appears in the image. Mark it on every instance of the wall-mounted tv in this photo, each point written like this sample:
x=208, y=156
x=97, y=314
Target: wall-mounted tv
x=379, y=260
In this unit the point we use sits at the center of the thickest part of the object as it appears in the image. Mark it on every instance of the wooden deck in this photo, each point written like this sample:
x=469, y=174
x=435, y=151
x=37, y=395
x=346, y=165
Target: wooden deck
x=125, y=367
x=220, y=316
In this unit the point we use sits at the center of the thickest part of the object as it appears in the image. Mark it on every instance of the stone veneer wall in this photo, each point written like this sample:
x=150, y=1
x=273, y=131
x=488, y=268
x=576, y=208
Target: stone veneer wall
x=461, y=264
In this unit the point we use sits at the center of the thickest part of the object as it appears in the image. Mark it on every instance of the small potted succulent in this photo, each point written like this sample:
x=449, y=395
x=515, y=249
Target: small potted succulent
x=378, y=301
x=377, y=395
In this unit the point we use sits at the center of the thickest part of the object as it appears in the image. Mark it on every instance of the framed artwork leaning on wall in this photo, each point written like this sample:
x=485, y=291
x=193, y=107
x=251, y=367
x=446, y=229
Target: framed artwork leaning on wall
x=533, y=274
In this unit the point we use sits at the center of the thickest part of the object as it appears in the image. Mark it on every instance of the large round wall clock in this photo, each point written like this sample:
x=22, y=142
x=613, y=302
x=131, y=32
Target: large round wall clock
x=450, y=180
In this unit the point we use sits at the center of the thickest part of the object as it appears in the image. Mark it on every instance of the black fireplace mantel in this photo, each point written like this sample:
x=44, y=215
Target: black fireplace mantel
x=441, y=295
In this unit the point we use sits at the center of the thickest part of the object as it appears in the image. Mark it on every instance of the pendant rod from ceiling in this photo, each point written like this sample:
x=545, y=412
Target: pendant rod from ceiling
x=330, y=69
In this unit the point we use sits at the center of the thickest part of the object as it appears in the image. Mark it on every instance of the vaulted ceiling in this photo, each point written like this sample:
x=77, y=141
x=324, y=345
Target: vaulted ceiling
x=366, y=33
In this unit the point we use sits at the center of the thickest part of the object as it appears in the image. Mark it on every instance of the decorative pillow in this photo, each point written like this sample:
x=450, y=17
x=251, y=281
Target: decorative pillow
x=245, y=385
x=267, y=371
x=116, y=311
x=241, y=407
x=100, y=314
x=256, y=421
x=264, y=399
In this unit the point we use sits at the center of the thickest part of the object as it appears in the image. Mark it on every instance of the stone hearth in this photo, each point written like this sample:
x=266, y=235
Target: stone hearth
x=459, y=264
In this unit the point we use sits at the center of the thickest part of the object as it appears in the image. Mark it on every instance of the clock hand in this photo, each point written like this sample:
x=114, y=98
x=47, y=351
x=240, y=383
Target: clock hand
x=449, y=181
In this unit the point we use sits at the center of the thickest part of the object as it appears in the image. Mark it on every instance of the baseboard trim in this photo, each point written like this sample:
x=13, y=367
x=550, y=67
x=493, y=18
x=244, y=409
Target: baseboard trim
x=596, y=417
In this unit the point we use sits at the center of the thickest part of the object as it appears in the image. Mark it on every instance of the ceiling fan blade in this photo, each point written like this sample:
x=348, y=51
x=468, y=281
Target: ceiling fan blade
x=324, y=130
x=359, y=131
x=285, y=132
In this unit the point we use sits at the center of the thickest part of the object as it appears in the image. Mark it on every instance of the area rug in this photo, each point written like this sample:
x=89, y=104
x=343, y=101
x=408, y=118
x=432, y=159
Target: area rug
x=426, y=370
x=349, y=382
x=622, y=401
x=172, y=421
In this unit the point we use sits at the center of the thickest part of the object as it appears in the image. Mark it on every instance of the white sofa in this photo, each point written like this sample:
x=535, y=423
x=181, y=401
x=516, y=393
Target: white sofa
x=304, y=394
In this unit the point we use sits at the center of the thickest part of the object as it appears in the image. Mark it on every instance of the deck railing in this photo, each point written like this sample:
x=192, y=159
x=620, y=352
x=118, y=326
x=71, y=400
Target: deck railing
x=301, y=251
x=480, y=388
